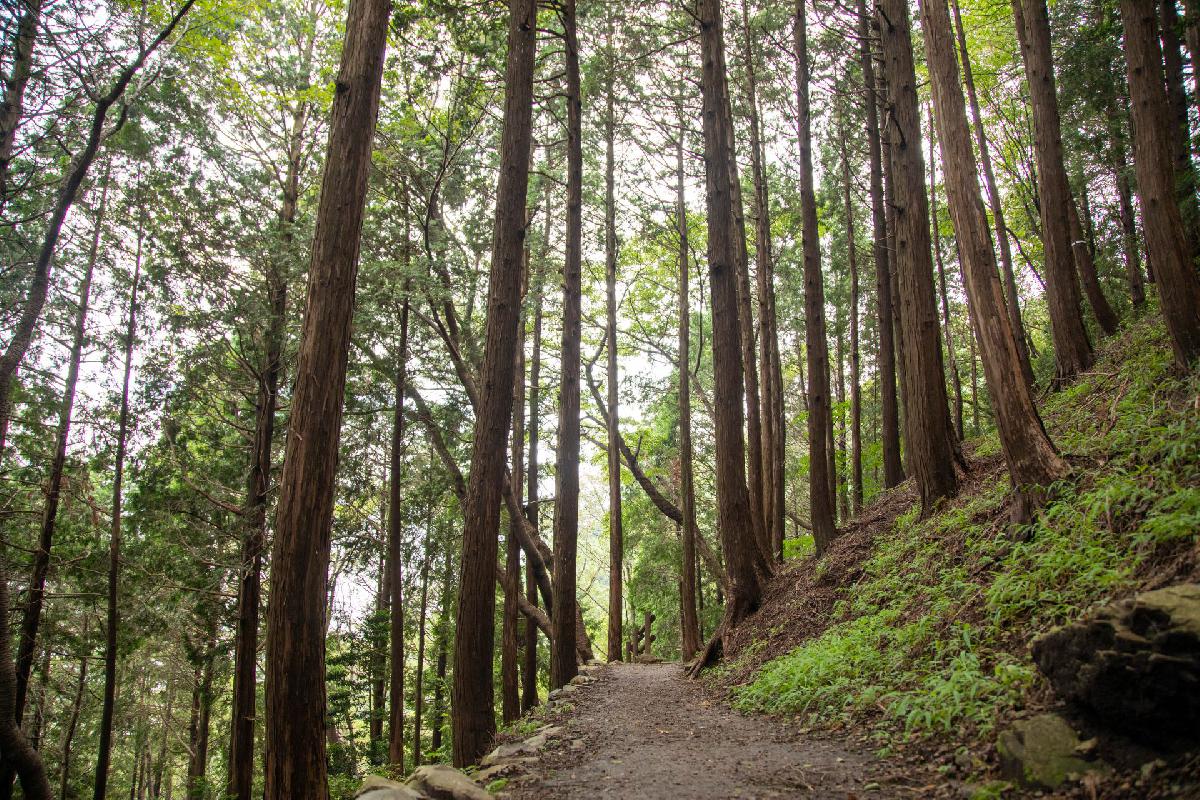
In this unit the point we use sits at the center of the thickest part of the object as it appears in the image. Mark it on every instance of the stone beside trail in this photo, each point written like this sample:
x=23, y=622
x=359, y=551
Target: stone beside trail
x=645, y=731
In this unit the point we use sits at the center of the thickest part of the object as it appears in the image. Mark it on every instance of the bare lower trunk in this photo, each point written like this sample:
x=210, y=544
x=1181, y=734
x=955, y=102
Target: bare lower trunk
x=1072, y=350
x=294, y=758
x=893, y=469
x=951, y=358
x=995, y=204
x=529, y=675
x=473, y=716
x=928, y=432
x=1129, y=238
x=1105, y=316
x=856, y=470
x=1033, y=463
x=566, y=479
x=395, y=554
x=419, y=687
x=616, y=545
x=689, y=618
x=738, y=536
x=1166, y=236
x=1177, y=109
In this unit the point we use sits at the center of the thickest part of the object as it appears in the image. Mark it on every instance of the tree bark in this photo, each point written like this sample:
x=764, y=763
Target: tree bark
x=1166, y=237
x=1177, y=108
x=935, y=233
x=64, y=769
x=928, y=431
x=1105, y=316
x=566, y=477
x=738, y=536
x=112, y=617
x=529, y=689
x=294, y=761
x=856, y=470
x=1129, y=238
x=510, y=690
x=395, y=551
x=1033, y=463
x=820, y=416
x=689, y=617
x=893, y=469
x=616, y=544
x=1072, y=350
x=473, y=716
x=995, y=204
x=419, y=687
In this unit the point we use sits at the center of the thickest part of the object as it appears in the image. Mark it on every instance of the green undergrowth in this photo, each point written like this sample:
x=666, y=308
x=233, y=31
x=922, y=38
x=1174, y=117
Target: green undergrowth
x=933, y=638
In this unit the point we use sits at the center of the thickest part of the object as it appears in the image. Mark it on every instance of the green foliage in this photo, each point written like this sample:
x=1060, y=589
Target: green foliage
x=931, y=640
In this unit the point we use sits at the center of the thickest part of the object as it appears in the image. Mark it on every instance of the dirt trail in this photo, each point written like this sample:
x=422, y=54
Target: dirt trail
x=646, y=731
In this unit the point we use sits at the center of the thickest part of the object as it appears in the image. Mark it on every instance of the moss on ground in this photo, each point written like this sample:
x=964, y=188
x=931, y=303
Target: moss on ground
x=934, y=636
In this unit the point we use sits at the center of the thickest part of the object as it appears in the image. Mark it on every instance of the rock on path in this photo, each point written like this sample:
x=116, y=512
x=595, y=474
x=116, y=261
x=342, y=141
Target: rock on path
x=645, y=731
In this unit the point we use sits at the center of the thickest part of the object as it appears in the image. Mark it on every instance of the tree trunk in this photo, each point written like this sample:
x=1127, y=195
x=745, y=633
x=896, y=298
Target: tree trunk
x=473, y=715
x=928, y=432
x=738, y=536
x=689, y=618
x=1166, y=237
x=295, y=764
x=1033, y=463
x=893, y=469
x=112, y=618
x=616, y=545
x=395, y=549
x=419, y=688
x=24, y=39
x=1105, y=316
x=258, y=489
x=64, y=770
x=771, y=425
x=935, y=232
x=32, y=613
x=1177, y=108
x=995, y=204
x=856, y=470
x=529, y=689
x=510, y=690
x=819, y=412
x=566, y=477
x=1072, y=350
x=1129, y=238
x=439, y=704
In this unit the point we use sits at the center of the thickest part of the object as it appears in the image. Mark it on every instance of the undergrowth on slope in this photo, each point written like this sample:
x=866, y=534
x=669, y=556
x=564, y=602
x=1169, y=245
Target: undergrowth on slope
x=934, y=636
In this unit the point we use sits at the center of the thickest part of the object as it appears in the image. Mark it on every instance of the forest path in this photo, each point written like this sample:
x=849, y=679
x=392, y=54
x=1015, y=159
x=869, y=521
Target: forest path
x=646, y=731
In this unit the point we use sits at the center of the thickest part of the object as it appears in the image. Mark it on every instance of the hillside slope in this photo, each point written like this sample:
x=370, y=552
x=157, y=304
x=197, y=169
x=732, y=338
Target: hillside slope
x=919, y=630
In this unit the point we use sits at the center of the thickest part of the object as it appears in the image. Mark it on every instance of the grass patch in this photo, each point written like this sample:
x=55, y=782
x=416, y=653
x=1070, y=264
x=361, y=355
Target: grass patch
x=933, y=638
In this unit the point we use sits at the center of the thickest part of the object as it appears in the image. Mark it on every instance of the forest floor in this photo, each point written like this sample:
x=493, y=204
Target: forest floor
x=645, y=730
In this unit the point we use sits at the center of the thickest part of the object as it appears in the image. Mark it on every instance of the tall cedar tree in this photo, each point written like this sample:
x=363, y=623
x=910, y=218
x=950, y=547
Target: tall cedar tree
x=394, y=563
x=929, y=441
x=294, y=758
x=1166, y=238
x=566, y=477
x=995, y=204
x=473, y=716
x=1033, y=463
x=770, y=381
x=689, y=618
x=616, y=544
x=258, y=482
x=1072, y=350
x=738, y=536
x=113, y=615
x=856, y=469
x=819, y=409
x=510, y=690
x=529, y=688
x=889, y=412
